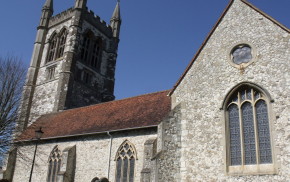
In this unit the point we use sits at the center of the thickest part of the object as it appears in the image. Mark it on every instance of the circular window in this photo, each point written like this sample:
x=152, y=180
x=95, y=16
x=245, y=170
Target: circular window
x=241, y=54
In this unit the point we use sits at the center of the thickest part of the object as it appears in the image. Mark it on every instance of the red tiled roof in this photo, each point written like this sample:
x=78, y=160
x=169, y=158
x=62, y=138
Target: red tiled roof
x=136, y=112
x=212, y=31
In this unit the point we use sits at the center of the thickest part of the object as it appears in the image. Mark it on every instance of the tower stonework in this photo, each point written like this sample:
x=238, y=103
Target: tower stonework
x=73, y=62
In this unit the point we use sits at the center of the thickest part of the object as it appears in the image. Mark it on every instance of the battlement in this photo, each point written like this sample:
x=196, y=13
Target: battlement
x=98, y=23
x=61, y=16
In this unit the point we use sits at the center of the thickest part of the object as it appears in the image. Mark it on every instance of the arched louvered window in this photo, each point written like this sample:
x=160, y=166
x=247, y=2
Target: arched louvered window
x=52, y=48
x=125, y=162
x=54, y=164
x=86, y=46
x=91, y=51
x=96, y=53
x=248, y=129
x=61, y=43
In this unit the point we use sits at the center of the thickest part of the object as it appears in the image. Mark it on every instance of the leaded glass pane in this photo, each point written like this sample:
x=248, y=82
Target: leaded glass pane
x=242, y=54
x=235, y=99
x=249, y=134
x=125, y=170
x=243, y=95
x=235, y=140
x=249, y=94
x=263, y=132
x=131, y=173
x=257, y=95
x=119, y=170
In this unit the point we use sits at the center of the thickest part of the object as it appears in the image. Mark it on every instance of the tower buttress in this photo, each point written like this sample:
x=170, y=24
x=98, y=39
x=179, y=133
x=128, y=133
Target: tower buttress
x=73, y=62
x=32, y=74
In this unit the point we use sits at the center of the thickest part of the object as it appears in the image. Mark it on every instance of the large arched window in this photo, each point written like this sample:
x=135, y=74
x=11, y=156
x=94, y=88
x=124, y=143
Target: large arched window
x=61, y=43
x=54, y=164
x=56, y=45
x=96, y=53
x=91, y=50
x=248, y=130
x=52, y=48
x=86, y=46
x=125, y=162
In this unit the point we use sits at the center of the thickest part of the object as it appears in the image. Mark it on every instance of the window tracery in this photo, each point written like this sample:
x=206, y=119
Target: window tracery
x=57, y=45
x=248, y=129
x=52, y=48
x=61, y=44
x=54, y=164
x=125, y=162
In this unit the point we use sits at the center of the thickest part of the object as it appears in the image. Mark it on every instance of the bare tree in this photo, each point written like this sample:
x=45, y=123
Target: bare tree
x=12, y=77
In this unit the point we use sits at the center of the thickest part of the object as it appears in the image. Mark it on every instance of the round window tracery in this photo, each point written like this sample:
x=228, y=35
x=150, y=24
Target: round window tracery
x=242, y=54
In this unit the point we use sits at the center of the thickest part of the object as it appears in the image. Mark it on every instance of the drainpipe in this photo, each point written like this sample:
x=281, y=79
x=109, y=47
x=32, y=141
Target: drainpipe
x=110, y=152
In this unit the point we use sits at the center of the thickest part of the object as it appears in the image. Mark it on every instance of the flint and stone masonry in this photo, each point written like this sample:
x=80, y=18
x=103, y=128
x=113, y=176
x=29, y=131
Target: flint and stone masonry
x=191, y=141
x=201, y=122
x=64, y=88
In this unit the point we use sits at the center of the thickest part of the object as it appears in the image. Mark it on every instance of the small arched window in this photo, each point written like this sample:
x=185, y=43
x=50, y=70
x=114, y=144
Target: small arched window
x=125, y=162
x=54, y=164
x=248, y=129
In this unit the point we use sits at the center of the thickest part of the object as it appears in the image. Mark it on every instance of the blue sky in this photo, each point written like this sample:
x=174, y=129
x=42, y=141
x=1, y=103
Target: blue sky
x=158, y=37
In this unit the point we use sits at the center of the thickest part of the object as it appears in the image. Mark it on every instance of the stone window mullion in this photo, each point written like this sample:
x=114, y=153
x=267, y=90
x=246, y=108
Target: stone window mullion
x=256, y=127
x=241, y=129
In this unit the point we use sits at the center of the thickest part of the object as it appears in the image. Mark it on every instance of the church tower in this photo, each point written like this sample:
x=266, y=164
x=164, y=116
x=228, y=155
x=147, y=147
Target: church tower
x=73, y=62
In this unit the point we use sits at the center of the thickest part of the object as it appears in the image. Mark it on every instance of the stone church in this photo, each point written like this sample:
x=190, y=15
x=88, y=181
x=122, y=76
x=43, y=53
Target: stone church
x=226, y=119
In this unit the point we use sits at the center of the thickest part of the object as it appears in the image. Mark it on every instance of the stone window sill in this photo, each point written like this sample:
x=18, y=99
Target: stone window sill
x=261, y=169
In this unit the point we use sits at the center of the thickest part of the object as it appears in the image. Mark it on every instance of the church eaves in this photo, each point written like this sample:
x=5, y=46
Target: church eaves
x=213, y=30
x=133, y=113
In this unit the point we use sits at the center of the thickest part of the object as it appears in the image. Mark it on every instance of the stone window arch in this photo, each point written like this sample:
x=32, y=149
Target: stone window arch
x=125, y=162
x=249, y=147
x=54, y=164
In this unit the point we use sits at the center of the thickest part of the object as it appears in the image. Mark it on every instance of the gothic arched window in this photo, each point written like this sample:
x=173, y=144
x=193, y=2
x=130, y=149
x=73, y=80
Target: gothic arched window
x=61, y=43
x=86, y=46
x=125, y=162
x=54, y=164
x=248, y=129
x=56, y=45
x=52, y=48
x=91, y=50
x=96, y=53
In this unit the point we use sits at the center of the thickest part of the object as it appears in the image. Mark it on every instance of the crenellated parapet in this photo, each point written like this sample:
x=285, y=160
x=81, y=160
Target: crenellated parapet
x=97, y=22
x=61, y=17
